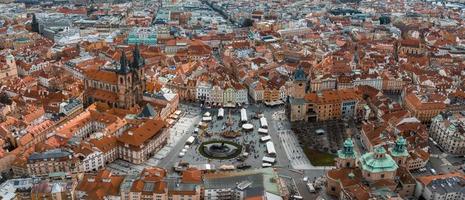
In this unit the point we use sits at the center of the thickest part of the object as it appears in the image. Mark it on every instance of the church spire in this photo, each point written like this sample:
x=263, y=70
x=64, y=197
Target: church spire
x=123, y=61
x=299, y=74
x=137, y=58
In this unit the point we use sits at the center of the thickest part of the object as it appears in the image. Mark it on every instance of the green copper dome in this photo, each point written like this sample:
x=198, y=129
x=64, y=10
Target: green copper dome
x=378, y=161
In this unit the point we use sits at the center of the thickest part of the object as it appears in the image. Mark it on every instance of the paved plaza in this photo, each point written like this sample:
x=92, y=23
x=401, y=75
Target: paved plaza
x=179, y=132
x=291, y=162
x=250, y=140
x=293, y=150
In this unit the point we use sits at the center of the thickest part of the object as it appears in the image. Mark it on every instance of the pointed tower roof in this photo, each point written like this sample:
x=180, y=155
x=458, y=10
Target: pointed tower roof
x=138, y=60
x=123, y=61
x=299, y=74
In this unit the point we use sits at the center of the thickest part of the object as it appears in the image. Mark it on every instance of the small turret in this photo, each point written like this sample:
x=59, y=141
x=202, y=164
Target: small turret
x=346, y=156
x=399, y=152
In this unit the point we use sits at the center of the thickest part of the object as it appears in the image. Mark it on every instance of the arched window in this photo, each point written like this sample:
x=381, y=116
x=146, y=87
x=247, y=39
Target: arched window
x=121, y=80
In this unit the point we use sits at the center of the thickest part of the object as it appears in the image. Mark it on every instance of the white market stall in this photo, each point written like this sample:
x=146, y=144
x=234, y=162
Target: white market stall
x=243, y=115
x=270, y=148
x=247, y=127
x=263, y=131
x=263, y=122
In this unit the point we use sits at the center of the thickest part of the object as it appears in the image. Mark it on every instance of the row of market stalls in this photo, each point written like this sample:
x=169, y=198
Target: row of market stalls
x=173, y=117
x=267, y=160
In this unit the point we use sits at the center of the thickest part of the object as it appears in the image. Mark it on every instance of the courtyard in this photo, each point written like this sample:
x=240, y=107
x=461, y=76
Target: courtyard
x=321, y=140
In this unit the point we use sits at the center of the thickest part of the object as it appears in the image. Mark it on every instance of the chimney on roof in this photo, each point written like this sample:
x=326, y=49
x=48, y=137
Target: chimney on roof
x=130, y=133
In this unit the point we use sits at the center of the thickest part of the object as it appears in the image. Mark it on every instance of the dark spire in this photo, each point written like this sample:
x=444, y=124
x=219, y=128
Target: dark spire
x=123, y=61
x=135, y=58
x=299, y=74
x=138, y=61
x=35, y=24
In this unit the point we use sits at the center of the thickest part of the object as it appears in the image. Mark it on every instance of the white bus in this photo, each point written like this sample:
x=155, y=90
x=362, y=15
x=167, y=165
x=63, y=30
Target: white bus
x=270, y=148
x=220, y=113
x=243, y=115
x=263, y=122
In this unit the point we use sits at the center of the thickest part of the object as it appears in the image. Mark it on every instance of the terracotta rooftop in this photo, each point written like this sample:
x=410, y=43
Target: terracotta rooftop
x=137, y=136
x=192, y=175
x=100, y=185
x=103, y=76
x=342, y=175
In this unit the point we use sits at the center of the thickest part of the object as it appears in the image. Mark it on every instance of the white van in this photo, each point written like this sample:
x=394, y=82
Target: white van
x=311, y=188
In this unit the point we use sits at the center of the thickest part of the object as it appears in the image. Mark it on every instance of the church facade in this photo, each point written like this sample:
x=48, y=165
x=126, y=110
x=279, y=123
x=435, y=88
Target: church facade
x=121, y=87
